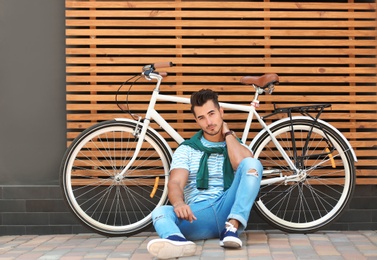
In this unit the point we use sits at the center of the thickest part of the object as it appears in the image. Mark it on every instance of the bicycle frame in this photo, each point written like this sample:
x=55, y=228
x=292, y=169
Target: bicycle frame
x=152, y=114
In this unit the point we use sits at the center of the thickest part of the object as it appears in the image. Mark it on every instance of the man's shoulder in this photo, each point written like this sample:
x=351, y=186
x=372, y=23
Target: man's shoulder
x=184, y=148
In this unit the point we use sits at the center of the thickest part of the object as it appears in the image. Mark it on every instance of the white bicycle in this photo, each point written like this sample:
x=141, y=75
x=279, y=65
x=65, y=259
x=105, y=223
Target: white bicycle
x=116, y=172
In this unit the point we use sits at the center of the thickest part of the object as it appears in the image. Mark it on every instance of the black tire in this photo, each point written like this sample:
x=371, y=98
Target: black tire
x=319, y=198
x=101, y=200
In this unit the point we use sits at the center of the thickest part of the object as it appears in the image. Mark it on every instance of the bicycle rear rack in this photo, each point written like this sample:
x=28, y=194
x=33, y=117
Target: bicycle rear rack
x=305, y=111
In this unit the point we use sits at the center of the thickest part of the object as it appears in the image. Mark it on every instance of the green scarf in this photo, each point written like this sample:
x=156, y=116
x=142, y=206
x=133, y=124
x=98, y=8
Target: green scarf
x=202, y=175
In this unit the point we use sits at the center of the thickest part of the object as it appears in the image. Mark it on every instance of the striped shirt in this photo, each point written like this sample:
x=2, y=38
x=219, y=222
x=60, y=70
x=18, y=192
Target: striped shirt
x=188, y=158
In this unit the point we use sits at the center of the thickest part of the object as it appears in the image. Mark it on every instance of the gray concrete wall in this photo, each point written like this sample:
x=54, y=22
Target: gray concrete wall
x=32, y=91
x=32, y=113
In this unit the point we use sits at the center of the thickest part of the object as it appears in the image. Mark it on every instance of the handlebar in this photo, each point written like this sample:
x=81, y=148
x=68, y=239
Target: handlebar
x=159, y=65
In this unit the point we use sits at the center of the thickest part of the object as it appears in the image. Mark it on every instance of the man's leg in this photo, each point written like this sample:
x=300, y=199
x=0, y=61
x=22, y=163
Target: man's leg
x=166, y=222
x=174, y=231
x=238, y=200
x=250, y=172
x=205, y=226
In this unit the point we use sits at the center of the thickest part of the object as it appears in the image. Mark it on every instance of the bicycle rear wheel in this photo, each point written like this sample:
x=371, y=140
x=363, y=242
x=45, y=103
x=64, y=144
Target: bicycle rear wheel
x=321, y=195
x=101, y=200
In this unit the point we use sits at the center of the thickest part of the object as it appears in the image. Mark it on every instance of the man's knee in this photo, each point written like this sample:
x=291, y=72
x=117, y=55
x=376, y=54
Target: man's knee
x=161, y=212
x=157, y=214
x=253, y=166
x=253, y=172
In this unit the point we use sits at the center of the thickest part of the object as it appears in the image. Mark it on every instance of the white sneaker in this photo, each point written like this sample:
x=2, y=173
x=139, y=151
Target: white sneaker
x=171, y=247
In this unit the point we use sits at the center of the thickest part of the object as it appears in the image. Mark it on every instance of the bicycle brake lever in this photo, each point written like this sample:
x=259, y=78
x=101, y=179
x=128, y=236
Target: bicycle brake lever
x=147, y=72
x=148, y=67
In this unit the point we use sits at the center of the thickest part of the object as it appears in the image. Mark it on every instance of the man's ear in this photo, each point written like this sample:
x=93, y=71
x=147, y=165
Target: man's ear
x=221, y=112
x=196, y=120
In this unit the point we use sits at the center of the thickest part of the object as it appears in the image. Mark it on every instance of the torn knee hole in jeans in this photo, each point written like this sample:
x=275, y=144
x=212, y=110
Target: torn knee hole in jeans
x=252, y=172
x=158, y=217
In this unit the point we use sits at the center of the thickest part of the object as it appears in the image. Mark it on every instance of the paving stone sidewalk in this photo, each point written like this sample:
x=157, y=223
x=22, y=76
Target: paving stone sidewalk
x=269, y=244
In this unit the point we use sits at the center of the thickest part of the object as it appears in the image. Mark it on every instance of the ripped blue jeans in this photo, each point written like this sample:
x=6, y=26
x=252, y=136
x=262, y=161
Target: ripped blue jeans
x=234, y=203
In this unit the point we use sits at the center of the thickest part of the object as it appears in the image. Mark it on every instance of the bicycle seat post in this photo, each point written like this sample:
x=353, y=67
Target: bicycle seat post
x=255, y=101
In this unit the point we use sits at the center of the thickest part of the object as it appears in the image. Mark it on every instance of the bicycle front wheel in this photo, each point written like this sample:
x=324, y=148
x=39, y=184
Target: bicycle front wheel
x=97, y=195
x=326, y=170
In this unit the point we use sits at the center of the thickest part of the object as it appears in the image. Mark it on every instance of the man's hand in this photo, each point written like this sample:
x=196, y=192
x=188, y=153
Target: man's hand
x=225, y=128
x=183, y=211
x=236, y=151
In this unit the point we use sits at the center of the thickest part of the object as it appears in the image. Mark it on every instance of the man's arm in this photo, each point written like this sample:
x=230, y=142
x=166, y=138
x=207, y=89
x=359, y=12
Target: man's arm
x=177, y=182
x=236, y=151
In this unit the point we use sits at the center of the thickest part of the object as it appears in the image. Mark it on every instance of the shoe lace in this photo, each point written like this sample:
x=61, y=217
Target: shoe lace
x=230, y=227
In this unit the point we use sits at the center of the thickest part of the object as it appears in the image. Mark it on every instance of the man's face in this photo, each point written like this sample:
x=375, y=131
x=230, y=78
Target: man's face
x=209, y=118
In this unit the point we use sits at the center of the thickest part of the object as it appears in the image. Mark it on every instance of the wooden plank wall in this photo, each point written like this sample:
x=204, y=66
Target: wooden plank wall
x=324, y=51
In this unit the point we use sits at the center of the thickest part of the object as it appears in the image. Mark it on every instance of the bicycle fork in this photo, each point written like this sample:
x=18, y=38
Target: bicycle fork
x=140, y=135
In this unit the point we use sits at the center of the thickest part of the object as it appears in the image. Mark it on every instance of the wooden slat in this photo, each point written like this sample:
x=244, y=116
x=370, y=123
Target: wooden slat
x=220, y=42
x=221, y=5
x=107, y=107
x=211, y=69
x=235, y=79
x=239, y=98
x=240, y=88
x=215, y=14
x=217, y=23
x=322, y=51
x=217, y=32
x=218, y=51
x=109, y=182
x=103, y=173
x=224, y=61
x=193, y=126
x=361, y=117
